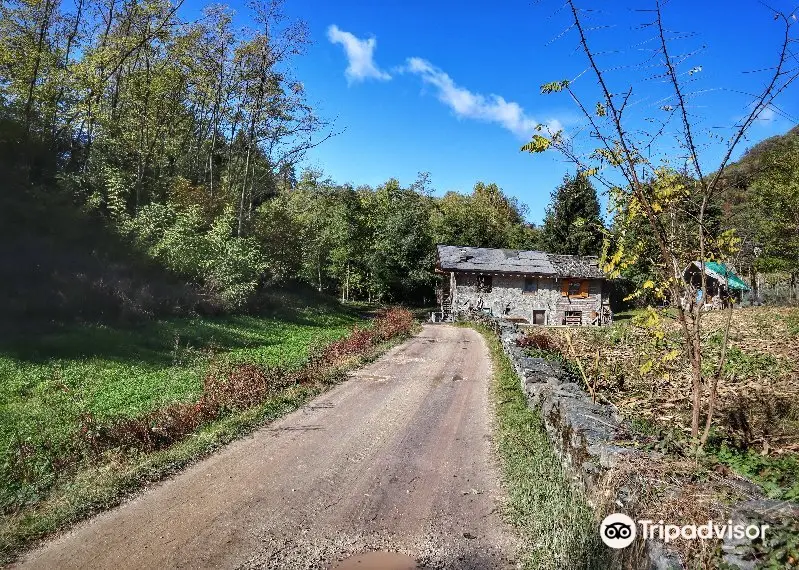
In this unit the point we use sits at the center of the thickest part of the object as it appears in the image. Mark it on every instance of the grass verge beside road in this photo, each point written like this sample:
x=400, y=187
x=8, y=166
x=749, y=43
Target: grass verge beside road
x=52, y=382
x=555, y=523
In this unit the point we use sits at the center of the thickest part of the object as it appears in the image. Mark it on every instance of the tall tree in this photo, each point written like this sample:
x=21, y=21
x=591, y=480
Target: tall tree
x=572, y=224
x=400, y=258
x=486, y=218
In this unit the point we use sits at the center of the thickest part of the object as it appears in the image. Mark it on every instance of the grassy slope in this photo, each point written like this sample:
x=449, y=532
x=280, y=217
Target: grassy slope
x=128, y=371
x=46, y=382
x=284, y=338
x=556, y=524
x=95, y=488
x=61, y=264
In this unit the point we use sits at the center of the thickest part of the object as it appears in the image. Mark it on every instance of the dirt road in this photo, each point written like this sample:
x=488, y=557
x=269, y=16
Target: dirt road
x=398, y=459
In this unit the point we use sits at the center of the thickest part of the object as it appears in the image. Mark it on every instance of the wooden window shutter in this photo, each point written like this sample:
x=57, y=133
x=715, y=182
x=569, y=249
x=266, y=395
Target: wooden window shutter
x=564, y=288
x=583, y=289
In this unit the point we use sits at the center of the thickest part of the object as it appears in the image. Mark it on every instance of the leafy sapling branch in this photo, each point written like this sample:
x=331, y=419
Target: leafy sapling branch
x=661, y=182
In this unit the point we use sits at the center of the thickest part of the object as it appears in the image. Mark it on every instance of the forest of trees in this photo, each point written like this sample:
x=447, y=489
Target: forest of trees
x=379, y=243
x=185, y=139
x=761, y=203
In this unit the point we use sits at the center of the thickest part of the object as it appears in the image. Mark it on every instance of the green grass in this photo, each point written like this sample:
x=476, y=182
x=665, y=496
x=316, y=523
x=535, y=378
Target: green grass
x=555, y=522
x=132, y=370
x=48, y=381
x=627, y=315
x=98, y=487
x=777, y=476
x=630, y=314
x=792, y=322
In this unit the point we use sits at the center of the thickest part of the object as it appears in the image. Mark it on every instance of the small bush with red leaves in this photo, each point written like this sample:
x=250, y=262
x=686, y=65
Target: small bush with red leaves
x=387, y=325
x=234, y=388
x=242, y=386
x=393, y=322
x=358, y=342
x=539, y=340
x=156, y=430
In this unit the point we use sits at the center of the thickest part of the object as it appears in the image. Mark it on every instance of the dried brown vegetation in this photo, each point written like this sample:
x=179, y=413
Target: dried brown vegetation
x=646, y=377
x=756, y=431
x=537, y=340
x=672, y=489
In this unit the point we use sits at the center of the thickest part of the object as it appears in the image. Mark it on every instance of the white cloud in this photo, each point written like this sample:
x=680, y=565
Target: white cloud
x=766, y=116
x=491, y=108
x=360, y=55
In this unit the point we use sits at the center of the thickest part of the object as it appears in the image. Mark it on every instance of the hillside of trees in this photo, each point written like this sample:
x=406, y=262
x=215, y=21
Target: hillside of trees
x=760, y=201
x=757, y=204
x=64, y=260
x=151, y=165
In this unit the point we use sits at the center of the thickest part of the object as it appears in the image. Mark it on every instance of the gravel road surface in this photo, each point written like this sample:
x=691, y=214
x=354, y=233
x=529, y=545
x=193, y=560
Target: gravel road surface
x=396, y=459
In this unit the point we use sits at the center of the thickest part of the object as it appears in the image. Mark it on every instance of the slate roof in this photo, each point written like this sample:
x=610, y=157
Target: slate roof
x=489, y=260
x=586, y=266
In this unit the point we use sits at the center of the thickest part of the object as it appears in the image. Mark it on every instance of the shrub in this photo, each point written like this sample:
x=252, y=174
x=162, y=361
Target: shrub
x=153, y=431
x=358, y=342
x=233, y=265
x=395, y=321
x=227, y=265
x=243, y=386
x=387, y=325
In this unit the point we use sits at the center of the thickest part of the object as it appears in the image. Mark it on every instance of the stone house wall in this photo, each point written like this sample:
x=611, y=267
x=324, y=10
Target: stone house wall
x=586, y=305
x=508, y=298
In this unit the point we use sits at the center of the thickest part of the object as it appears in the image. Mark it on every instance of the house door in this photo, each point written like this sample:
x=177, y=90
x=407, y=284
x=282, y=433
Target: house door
x=539, y=317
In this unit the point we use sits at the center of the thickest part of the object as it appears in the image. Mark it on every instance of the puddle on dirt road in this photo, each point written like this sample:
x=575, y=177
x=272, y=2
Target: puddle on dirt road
x=377, y=561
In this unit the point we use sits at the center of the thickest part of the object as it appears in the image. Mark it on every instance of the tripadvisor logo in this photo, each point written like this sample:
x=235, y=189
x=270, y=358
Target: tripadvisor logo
x=619, y=531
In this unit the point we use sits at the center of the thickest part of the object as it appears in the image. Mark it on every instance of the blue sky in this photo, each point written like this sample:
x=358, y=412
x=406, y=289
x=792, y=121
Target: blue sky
x=452, y=88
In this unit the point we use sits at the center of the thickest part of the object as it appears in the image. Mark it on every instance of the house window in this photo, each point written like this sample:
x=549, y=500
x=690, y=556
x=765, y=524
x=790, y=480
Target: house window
x=574, y=318
x=539, y=317
x=574, y=288
x=467, y=281
x=530, y=285
x=484, y=283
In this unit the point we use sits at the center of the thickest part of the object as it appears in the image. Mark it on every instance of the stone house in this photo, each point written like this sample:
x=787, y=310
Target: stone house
x=526, y=286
